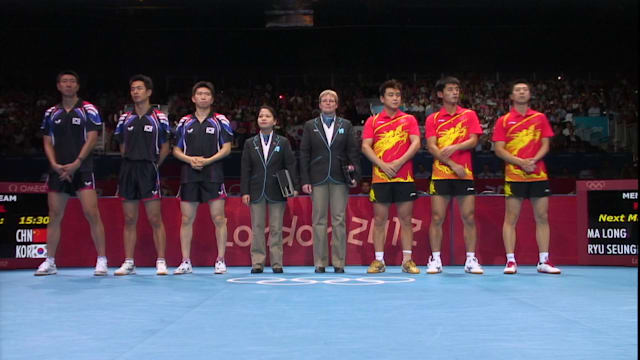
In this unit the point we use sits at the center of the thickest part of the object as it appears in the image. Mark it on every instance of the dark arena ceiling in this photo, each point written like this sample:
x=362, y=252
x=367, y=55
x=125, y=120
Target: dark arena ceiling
x=178, y=14
x=125, y=36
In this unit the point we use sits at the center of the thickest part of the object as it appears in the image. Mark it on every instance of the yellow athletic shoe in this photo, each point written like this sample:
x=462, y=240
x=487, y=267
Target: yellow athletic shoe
x=376, y=267
x=410, y=267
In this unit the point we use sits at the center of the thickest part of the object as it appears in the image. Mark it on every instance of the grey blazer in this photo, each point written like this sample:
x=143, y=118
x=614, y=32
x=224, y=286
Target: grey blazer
x=321, y=161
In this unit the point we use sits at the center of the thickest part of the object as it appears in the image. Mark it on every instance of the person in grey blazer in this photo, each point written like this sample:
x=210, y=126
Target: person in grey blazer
x=262, y=157
x=328, y=145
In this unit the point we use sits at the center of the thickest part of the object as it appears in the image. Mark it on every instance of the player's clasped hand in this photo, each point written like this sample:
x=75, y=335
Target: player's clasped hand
x=446, y=152
x=459, y=170
x=197, y=162
x=246, y=199
x=388, y=169
x=59, y=170
x=66, y=171
x=529, y=165
x=396, y=165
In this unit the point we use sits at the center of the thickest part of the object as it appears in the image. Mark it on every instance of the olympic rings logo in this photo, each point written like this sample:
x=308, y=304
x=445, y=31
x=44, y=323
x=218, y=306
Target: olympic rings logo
x=596, y=185
x=327, y=280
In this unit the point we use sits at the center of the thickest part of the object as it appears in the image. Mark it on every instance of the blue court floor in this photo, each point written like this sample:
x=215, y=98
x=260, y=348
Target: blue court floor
x=585, y=313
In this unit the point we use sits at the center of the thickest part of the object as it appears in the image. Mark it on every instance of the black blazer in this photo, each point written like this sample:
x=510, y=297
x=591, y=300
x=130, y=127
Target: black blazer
x=320, y=161
x=258, y=177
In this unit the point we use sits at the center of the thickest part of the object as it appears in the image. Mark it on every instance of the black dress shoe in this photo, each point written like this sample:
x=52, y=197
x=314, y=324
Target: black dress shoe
x=278, y=270
x=319, y=270
x=256, y=271
x=339, y=270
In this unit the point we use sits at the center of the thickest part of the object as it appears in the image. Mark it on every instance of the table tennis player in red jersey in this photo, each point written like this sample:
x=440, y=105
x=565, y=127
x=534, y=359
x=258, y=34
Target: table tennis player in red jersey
x=452, y=132
x=522, y=139
x=390, y=139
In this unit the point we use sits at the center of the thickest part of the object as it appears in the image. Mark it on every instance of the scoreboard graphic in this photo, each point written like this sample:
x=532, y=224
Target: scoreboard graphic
x=613, y=222
x=23, y=225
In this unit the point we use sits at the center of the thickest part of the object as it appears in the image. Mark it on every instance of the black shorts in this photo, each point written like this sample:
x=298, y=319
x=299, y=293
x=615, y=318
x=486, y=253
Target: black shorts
x=139, y=180
x=447, y=187
x=393, y=192
x=82, y=180
x=526, y=190
x=202, y=191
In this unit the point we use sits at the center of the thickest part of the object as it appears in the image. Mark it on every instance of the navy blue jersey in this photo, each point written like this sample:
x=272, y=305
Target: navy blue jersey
x=204, y=139
x=142, y=136
x=68, y=131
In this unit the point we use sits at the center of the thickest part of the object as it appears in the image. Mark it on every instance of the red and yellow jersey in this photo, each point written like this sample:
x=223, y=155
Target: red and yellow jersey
x=451, y=129
x=522, y=135
x=391, y=141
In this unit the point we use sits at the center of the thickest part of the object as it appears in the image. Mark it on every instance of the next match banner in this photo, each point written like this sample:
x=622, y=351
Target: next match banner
x=613, y=222
x=608, y=221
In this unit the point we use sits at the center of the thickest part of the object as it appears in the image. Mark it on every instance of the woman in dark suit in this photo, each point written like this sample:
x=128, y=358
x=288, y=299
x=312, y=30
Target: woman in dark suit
x=262, y=157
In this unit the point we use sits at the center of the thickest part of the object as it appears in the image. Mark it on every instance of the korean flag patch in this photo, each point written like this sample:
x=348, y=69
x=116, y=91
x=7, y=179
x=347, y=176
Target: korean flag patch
x=211, y=130
x=76, y=121
x=148, y=128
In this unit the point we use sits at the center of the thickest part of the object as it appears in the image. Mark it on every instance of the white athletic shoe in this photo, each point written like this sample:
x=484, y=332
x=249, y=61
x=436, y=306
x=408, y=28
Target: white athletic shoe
x=161, y=267
x=548, y=268
x=511, y=268
x=184, y=268
x=127, y=268
x=46, y=268
x=220, y=267
x=434, y=266
x=101, y=267
x=472, y=266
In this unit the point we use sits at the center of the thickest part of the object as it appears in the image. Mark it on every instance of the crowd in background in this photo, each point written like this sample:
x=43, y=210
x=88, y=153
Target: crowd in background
x=561, y=99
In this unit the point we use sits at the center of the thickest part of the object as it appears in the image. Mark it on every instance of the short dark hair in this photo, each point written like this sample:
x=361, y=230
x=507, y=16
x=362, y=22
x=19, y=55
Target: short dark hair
x=515, y=82
x=67, y=72
x=390, y=84
x=271, y=110
x=442, y=83
x=202, y=84
x=148, y=83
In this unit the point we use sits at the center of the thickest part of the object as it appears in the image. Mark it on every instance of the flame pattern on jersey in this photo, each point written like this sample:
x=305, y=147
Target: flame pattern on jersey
x=386, y=142
x=447, y=138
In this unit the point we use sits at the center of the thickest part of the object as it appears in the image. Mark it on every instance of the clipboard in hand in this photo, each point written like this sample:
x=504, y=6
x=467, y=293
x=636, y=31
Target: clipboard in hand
x=349, y=175
x=284, y=180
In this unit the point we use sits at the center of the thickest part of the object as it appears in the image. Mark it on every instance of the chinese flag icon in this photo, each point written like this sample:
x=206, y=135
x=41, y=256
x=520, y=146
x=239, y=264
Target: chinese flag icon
x=40, y=236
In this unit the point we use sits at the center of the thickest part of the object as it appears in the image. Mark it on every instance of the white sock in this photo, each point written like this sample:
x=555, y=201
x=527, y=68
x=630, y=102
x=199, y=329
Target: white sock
x=380, y=256
x=511, y=257
x=160, y=259
x=128, y=261
x=51, y=260
x=102, y=258
x=436, y=255
x=187, y=260
x=471, y=255
x=544, y=257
